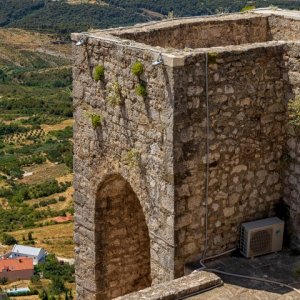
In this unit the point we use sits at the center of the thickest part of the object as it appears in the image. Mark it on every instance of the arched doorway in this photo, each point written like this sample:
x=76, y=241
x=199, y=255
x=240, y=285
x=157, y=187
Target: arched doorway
x=122, y=240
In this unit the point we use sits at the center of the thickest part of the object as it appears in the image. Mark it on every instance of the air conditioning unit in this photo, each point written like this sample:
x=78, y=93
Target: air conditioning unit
x=261, y=237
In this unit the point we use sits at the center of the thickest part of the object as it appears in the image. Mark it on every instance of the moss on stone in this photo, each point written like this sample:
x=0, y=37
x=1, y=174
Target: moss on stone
x=140, y=90
x=212, y=58
x=137, y=68
x=96, y=120
x=131, y=158
x=247, y=7
x=98, y=73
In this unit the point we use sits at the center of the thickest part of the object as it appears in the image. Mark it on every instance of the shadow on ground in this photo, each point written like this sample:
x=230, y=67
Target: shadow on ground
x=279, y=267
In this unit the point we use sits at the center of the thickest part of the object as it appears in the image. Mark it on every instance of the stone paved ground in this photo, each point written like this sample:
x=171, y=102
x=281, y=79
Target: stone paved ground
x=279, y=267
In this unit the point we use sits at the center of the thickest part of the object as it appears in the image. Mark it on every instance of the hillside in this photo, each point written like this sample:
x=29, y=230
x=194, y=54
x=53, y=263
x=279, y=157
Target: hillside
x=66, y=16
x=35, y=139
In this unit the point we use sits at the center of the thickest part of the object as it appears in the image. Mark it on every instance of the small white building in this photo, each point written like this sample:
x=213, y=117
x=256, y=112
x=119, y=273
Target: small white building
x=37, y=254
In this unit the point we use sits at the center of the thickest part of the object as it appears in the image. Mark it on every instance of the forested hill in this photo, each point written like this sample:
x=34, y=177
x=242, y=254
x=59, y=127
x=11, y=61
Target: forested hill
x=65, y=16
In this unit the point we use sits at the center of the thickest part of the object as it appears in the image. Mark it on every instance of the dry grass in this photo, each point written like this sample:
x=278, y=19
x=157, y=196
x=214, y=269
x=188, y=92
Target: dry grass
x=57, y=239
x=4, y=249
x=97, y=2
x=33, y=297
x=13, y=40
x=45, y=172
x=59, y=126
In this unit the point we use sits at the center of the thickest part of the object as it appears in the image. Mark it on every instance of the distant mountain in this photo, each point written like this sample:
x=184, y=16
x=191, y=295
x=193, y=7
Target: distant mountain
x=66, y=16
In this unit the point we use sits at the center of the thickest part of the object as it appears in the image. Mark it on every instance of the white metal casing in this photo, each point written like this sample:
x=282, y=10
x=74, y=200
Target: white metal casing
x=261, y=237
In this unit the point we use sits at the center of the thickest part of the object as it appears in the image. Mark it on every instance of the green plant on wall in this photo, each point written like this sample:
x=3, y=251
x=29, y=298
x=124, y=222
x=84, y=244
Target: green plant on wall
x=137, y=69
x=96, y=120
x=140, y=90
x=98, y=73
x=294, y=111
x=114, y=96
x=212, y=57
x=131, y=158
x=248, y=7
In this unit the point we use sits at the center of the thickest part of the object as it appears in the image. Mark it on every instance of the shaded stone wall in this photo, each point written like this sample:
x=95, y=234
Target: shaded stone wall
x=287, y=29
x=122, y=241
x=205, y=33
x=247, y=111
x=142, y=126
x=291, y=175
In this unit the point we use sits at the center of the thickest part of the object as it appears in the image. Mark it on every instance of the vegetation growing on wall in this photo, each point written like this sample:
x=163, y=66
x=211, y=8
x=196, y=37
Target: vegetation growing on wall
x=247, y=7
x=137, y=68
x=98, y=73
x=212, y=57
x=140, y=90
x=96, y=120
x=294, y=111
x=114, y=97
x=131, y=158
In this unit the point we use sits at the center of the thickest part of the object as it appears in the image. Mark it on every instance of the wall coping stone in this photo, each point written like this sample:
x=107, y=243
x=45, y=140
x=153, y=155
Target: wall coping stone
x=196, y=282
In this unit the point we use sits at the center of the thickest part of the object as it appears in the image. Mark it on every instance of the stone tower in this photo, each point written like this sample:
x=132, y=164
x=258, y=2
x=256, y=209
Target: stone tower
x=181, y=134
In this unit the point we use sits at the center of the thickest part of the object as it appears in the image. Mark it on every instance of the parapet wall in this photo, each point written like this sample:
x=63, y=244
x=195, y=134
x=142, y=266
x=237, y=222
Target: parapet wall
x=291, y=157
x=202, y=33
x=247, y=118
x=149, y=151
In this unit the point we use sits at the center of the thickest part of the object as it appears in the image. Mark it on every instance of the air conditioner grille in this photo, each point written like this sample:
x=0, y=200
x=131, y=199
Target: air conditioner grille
x=261, y=242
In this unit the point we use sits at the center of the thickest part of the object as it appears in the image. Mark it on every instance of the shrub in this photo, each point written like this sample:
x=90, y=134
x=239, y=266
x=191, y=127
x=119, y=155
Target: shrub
x=114, y=97
x=35, y=278
x=43, y=295
x=131, y=158
x=52, y=268
x=30, y=237
x=57, y=285
x=96, y=120
x=3, y=280
x=7, y=239
x=98, y=73
x=140, y=90
x=137, y=68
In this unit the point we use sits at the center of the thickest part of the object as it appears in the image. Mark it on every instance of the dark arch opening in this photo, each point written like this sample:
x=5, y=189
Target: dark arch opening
x=122, y=240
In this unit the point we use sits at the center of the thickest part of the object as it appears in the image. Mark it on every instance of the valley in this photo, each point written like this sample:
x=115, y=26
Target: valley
x=35, y=143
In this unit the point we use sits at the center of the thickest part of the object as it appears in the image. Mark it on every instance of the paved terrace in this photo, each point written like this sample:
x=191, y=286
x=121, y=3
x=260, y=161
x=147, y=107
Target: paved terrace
x=278, y=267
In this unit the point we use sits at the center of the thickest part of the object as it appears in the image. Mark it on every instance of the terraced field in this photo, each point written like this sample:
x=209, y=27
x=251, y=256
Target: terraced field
x=35, y=140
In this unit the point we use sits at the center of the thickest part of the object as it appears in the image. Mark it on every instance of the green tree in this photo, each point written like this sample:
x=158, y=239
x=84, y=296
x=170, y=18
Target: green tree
x=35, y=279
x=67, y=296
x=57, y=285
x=43, y=295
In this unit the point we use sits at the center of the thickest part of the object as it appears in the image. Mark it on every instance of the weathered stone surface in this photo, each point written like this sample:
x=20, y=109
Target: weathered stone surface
x=175, y=289
x=152, y=150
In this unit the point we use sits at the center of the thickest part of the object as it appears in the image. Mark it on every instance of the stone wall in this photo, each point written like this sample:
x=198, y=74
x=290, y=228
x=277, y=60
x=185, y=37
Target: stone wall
x=197, y=282
x=122, y=241
x=291, y=175
x=287, y=29
x=149, y=156
x=247, y=111
x=136, y=126
x=204, y=33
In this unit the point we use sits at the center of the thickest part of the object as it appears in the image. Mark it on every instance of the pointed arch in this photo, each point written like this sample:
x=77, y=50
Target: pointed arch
x=122, y=242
